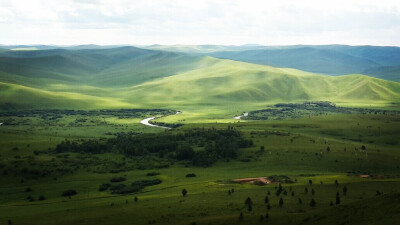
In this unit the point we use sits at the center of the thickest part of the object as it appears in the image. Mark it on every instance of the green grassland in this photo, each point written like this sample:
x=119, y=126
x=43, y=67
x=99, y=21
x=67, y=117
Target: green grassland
x=322, y=146
x=295, y=148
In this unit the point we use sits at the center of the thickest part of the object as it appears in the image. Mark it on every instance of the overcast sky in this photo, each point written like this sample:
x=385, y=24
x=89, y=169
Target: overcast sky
x=144, y=22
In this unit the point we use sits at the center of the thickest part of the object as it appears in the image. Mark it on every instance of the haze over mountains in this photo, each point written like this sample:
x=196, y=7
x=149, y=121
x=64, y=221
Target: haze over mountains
x=164, y=76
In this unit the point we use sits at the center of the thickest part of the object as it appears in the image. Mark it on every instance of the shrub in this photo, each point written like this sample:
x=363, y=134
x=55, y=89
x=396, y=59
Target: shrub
x=190, y=175
x=104, y=187
x=117, y=179
x=69, y=193
x=41, y=198
x=151, y=174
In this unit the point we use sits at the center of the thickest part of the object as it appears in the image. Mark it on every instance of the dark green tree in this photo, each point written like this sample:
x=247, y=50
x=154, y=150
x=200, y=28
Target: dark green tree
x=248, y=201
x=280, y=202
x=300, y=201
x=184, y=192
x=312, y=203
x=337, y=198
x=266, y=200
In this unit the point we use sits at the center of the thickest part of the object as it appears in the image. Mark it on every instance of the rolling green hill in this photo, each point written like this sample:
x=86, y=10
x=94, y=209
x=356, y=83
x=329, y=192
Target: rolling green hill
x=234, y=82
x=129, y=77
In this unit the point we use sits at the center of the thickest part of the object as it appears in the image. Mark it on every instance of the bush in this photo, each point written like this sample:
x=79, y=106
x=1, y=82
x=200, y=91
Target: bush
x=41, y=198
x=190, y=175
x=117, y=179
x=104, y=187
x=151, y=174
x=69, y=193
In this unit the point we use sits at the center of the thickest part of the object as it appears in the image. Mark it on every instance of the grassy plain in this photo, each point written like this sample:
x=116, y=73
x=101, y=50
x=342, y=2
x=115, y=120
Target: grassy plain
x=295, y=148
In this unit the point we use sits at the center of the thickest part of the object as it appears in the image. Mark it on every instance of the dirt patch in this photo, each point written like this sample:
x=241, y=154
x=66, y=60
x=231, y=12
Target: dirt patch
x=254, y=180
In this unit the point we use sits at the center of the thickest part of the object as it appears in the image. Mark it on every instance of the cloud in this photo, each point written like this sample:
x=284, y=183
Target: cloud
x=200, y=22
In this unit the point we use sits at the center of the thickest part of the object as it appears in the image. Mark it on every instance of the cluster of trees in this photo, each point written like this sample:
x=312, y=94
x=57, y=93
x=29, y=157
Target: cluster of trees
x=213, y=144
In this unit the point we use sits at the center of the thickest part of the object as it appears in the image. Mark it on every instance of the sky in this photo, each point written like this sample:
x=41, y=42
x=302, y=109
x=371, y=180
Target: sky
x=193, y=22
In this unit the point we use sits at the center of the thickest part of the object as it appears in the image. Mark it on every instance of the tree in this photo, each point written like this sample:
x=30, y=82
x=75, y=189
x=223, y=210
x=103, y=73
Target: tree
x=229, y=192
x=328, y=149
x=300, y=201
x=184, y=192
x=248, y=201
x=310, y=182
x=280, y=202
x=250, y=208
x=312, y=203
x=268, y=193
x=266, y=216
x=331, y=204
x=363, y=147
x=336, y=183
x=306, y=190
x=337, y=199
x=268, y=206
x=136, y=199
x=241, y=217
x=312, y=191
x=292, y=193
x=344, y=190
x=266, y=200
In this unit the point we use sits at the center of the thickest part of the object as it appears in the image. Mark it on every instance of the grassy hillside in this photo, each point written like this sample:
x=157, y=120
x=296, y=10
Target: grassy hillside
x=128, y=76
x=15, y=97
x=229, y=81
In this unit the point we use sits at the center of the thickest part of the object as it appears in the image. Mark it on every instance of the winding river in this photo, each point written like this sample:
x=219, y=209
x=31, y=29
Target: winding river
x=240, y=117
x=147, y=122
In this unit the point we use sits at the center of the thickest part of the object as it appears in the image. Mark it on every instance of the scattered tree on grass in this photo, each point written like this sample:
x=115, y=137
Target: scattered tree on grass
x=312, y=203
x=266, y=200
x=292, y=193
x=312, y=191
x=306, y=190
x=184, y=192
x=69, y=193
x=280, y=202
x=300, y=201
x=331, y=204
x=337, y=198
x=268, y=206
x=344, y=190
x=41, y=198
x=310, y=182
x=241, y=217
x=136, y=199
x=328, y=149
x=229, y=192
x=336, y=183
x=363, y=147
x=248, y=201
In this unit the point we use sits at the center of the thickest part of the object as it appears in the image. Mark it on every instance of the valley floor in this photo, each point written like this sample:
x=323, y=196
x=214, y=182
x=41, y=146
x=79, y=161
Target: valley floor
x=324, y=155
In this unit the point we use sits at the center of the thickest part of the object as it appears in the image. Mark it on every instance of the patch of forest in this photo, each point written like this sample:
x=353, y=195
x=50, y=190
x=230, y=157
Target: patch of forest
x=297, y=110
